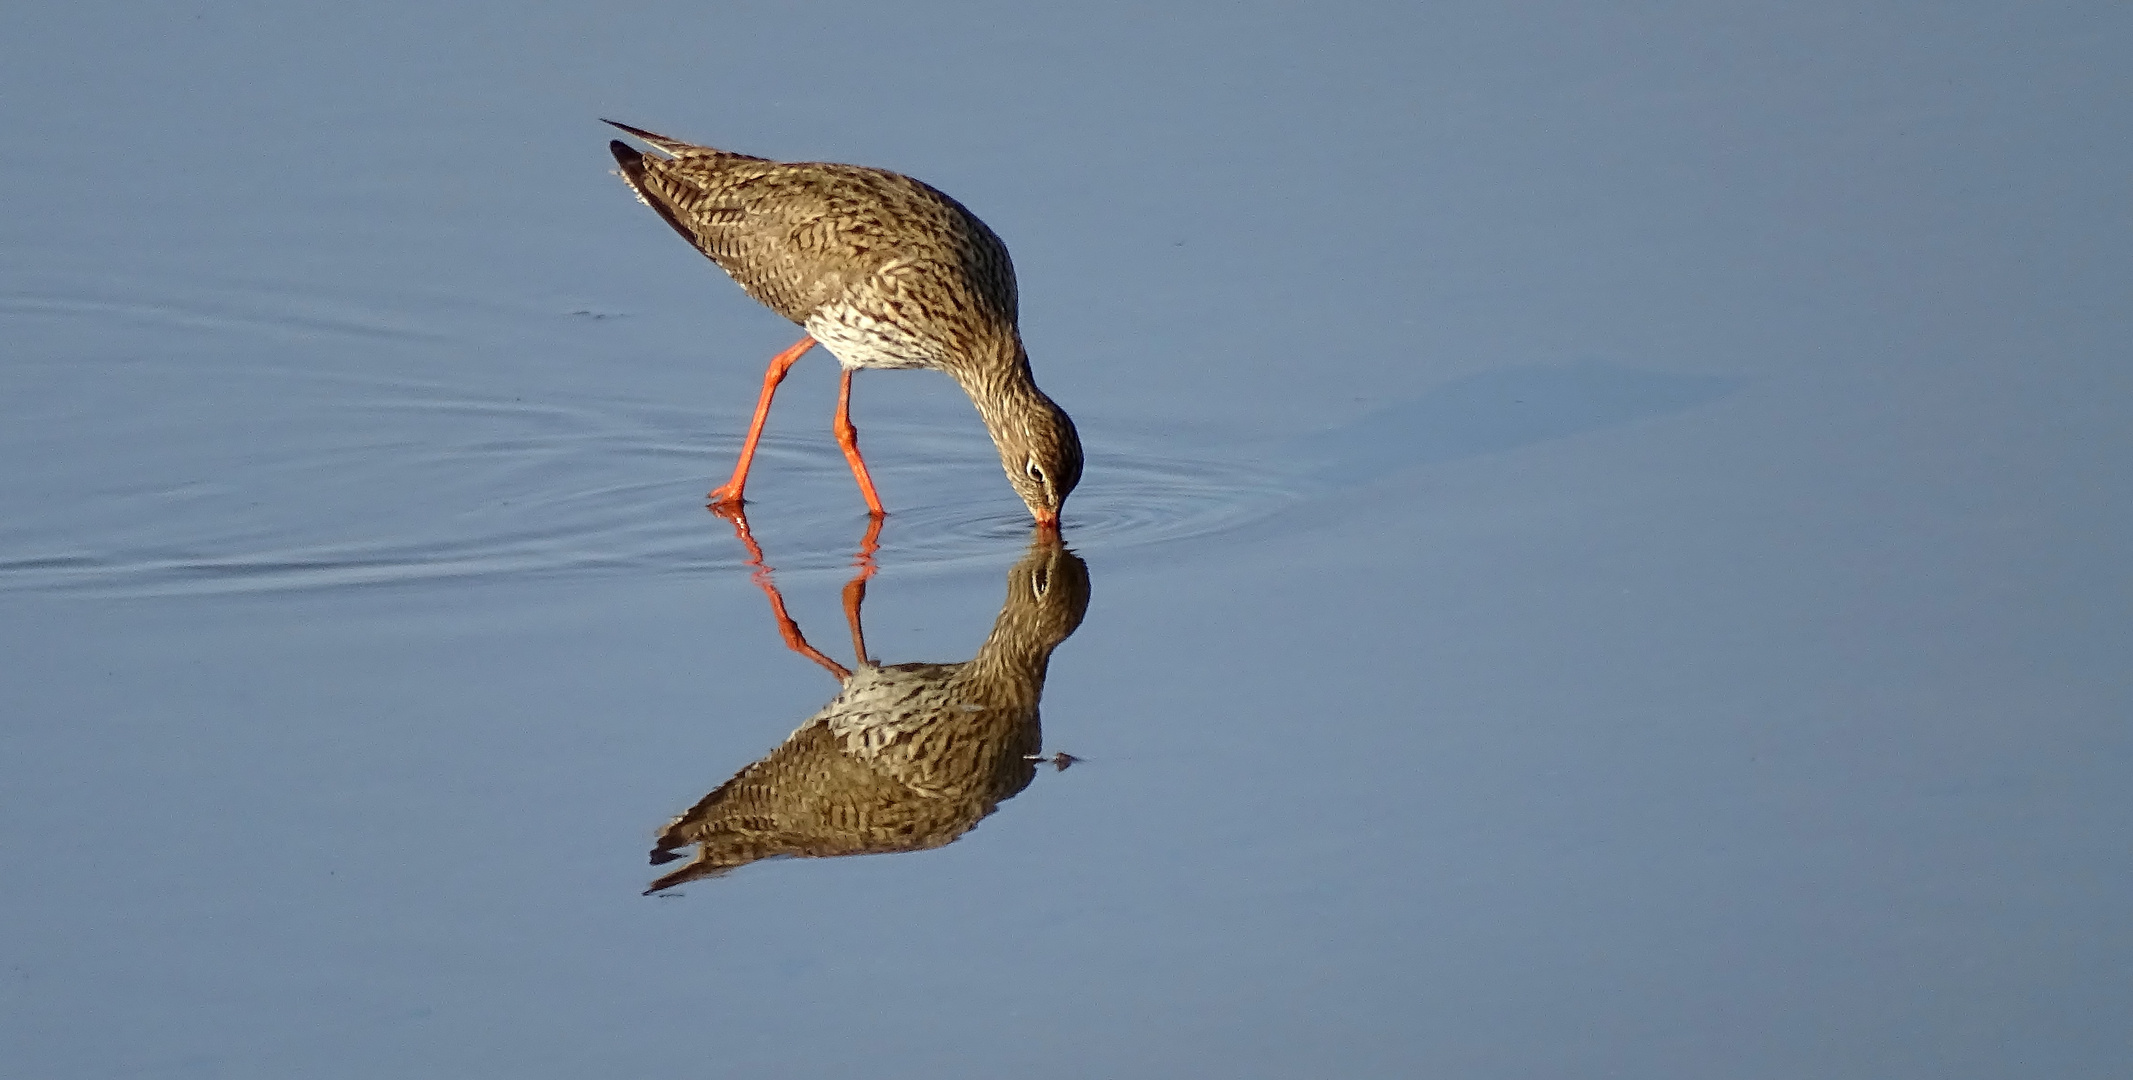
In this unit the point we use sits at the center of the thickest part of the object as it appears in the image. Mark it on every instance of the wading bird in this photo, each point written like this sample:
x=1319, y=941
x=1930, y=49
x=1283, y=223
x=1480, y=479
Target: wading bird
x=884, y=272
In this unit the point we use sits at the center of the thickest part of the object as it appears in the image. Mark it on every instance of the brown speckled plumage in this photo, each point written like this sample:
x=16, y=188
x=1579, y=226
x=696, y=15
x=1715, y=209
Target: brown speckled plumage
x=906, y=756
x=882, y=270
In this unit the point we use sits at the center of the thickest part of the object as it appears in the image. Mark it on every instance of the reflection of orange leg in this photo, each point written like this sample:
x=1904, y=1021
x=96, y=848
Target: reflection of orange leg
x=855, y=591
x=848, y=437
x=730, y=491
x=787, y=628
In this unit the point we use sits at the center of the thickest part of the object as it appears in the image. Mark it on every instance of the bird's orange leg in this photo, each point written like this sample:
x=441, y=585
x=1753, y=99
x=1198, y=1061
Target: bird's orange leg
x=730, y=491
x=855, y=591
x=848, y=438
x=787, y=628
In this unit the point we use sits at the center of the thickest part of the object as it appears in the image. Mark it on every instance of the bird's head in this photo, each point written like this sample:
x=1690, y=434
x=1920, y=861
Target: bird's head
x=1041, y=453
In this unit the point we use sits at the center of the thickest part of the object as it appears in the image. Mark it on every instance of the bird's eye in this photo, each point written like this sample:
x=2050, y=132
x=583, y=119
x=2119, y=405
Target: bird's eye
x=1034, y=471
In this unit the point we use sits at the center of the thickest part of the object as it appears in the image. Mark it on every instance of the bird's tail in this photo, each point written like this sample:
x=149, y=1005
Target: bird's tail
x=633, y=171
x=632, y=164
x=654, y=178
x=671, y=147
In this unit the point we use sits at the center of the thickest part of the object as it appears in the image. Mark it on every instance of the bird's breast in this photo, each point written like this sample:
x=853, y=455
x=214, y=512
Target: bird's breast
x=860, y=338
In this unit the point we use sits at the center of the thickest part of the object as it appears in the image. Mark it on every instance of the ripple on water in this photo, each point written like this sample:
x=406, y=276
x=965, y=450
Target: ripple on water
x=216, y=458
x=511, y=490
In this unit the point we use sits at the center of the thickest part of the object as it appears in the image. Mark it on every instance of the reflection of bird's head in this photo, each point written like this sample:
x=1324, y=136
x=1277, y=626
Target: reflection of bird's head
x=1047, y=593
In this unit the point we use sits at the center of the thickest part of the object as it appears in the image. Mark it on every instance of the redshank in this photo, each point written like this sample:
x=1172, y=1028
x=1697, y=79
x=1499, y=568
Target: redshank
x=884, y=272
x=907, y=756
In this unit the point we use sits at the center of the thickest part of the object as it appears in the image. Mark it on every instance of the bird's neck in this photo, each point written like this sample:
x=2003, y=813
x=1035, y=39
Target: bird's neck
x=1003, y=389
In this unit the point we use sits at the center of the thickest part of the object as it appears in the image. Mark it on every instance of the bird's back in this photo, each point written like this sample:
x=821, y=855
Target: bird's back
x=802, y=237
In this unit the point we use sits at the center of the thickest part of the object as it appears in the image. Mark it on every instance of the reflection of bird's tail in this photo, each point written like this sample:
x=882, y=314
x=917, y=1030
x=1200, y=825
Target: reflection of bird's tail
x=667, y=848
x=695, y=870
x=706, y=864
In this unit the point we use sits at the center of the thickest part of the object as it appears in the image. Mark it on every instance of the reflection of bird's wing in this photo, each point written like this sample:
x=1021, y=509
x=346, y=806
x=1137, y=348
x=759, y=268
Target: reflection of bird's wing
x=888, y=765
x=935, y=732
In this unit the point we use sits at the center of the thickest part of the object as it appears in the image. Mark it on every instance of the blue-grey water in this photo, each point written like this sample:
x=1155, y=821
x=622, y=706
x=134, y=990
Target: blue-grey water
x=1607, y=535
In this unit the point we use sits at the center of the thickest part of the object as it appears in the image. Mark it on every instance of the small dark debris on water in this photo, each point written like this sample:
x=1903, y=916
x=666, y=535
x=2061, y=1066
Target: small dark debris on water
x=587, y=313
x=1059, y=761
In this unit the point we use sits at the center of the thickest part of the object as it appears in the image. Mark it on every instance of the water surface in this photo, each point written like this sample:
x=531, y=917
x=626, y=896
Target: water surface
x=1605, y=539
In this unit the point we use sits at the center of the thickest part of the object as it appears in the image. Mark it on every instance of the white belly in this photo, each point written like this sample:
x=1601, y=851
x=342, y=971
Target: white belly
x=859, y=340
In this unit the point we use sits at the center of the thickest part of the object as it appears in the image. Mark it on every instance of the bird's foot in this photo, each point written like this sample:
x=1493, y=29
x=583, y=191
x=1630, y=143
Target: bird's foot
x=725, y=498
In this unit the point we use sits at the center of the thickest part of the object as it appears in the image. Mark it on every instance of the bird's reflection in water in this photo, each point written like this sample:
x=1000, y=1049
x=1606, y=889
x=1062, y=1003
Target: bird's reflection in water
x=905, y=757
